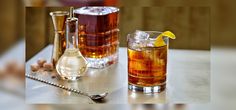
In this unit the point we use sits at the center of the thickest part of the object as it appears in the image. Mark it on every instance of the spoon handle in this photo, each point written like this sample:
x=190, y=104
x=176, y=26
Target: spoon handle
x=57, y=85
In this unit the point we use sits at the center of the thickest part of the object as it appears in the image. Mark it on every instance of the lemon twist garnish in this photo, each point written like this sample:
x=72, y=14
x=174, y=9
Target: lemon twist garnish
x=159, y=40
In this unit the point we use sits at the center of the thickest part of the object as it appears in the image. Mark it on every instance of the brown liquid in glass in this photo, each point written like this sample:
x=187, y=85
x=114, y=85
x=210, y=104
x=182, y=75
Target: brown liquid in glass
x=148, y=66
x=98, y=34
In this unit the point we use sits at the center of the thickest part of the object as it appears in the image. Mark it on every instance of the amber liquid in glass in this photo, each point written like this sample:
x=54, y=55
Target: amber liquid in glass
x=98, y=35
x=98, y=45
x=148, y=66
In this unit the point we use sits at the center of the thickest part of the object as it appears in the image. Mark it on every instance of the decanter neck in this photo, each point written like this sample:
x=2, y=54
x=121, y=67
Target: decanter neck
x=71, y=31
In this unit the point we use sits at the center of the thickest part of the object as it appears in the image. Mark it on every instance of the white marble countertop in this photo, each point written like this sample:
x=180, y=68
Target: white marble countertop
x=188, y=81
x=12, y=90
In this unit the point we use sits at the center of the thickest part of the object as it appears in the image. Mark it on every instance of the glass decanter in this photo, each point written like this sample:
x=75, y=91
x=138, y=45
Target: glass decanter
x=71, y=64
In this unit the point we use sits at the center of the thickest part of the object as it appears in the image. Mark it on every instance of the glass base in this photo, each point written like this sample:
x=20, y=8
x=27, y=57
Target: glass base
x=102, y=62
x=70, y=78
x=150, y=89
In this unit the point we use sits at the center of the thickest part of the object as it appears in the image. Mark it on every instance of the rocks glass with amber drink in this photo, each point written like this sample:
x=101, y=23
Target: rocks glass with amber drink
x=98, y=34
x=147, y=62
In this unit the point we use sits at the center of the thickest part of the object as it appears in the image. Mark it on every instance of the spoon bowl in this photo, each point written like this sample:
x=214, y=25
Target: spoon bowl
x=98, y=96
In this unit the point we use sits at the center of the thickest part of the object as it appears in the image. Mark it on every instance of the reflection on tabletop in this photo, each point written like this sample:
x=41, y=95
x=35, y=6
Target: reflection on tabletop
x=181, y=87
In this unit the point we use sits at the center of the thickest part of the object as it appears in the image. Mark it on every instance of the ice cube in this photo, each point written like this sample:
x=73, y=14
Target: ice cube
x=142, y=35
x=140, y=40
x=137, y=46
x=150, y=43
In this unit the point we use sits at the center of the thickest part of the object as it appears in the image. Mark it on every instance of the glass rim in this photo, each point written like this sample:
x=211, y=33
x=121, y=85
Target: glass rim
x=81, y=12
x=59, y=13
x=130, y=36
